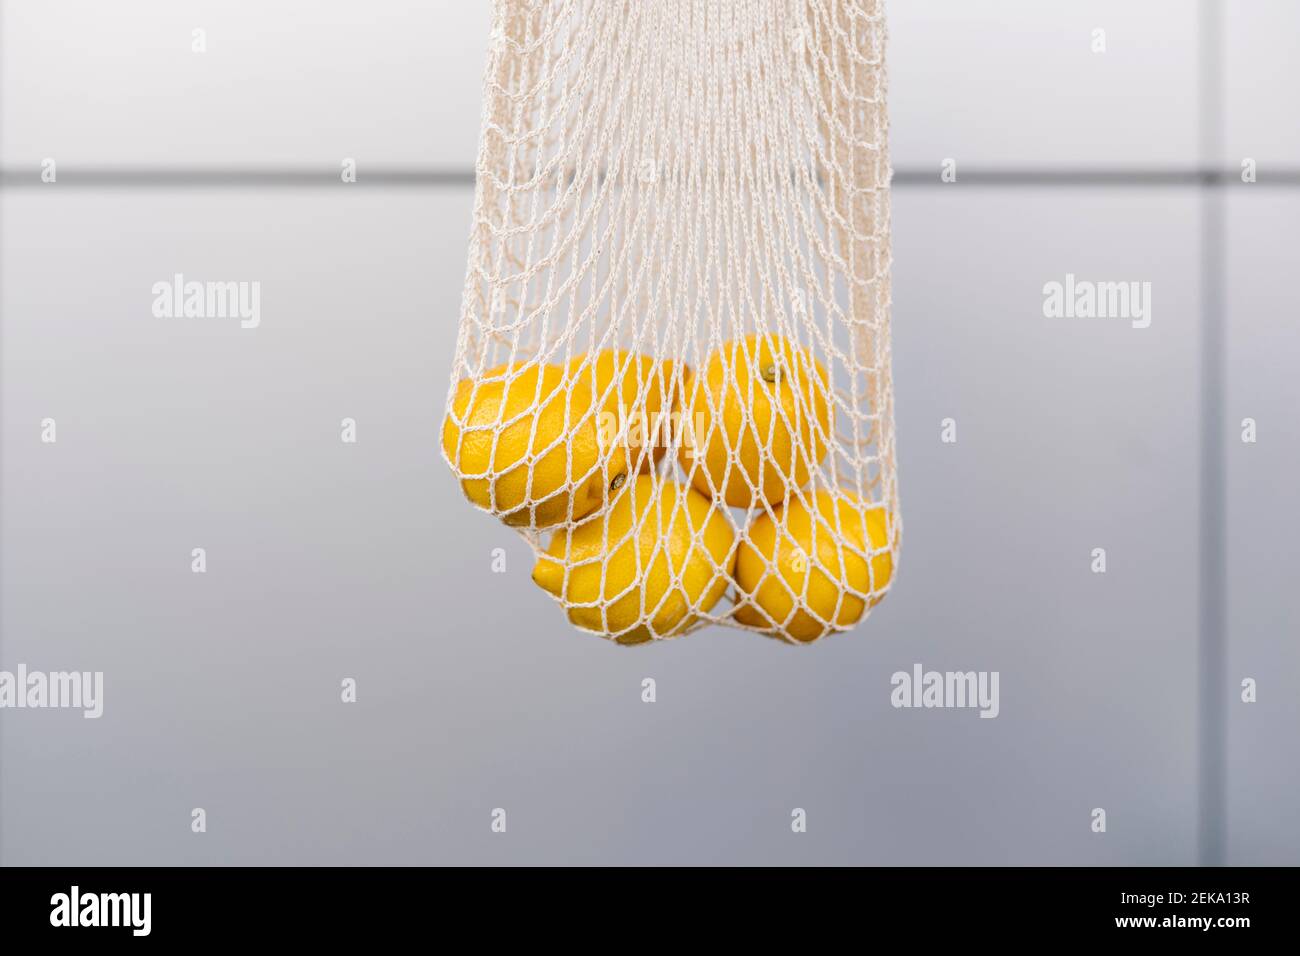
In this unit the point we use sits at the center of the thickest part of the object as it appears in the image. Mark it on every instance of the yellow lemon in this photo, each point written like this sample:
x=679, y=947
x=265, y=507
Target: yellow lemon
x=633, y=412
x=797, y=581
x=755, y=419
x=527, y=450
x=645, y=568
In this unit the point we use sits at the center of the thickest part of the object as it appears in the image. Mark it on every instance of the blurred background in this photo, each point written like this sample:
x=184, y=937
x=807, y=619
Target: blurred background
x=328, y=561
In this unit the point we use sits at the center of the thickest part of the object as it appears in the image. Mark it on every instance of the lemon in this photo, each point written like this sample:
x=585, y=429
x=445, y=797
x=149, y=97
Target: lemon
x=756, y=419
x=796, y=580
x=646, y=567
x=525, y=449
x=635, y=409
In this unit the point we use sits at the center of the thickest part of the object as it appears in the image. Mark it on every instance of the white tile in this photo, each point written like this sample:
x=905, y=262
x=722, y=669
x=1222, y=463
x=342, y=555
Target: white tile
x=383, y=82
x=995, y=82
x=1263, y=525
x=1261, y=84
x=1015, y=83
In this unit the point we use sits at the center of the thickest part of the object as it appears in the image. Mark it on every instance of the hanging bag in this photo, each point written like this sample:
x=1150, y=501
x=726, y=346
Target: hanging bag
x=672, y=372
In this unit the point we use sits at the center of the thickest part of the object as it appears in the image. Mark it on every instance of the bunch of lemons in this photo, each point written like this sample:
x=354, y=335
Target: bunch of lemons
x=639, y=556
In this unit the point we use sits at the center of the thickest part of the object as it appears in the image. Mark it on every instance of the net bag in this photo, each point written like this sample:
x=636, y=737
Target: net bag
x=672, y=372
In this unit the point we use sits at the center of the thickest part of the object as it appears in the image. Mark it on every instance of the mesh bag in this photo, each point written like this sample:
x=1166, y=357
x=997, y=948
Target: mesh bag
x=672, y=373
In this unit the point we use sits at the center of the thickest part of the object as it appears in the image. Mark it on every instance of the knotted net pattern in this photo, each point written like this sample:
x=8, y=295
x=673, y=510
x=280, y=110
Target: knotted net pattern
x=689, y=182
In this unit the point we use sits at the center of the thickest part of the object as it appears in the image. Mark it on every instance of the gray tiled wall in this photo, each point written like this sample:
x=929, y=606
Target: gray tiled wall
x=329, y=560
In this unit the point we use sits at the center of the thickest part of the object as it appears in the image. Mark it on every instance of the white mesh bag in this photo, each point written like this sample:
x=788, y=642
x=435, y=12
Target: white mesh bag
x=672, y=373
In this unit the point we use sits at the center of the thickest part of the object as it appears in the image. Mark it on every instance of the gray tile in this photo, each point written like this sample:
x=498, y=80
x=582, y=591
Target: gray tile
x=1263, y=526
x=1074, y=434
x=328, y=560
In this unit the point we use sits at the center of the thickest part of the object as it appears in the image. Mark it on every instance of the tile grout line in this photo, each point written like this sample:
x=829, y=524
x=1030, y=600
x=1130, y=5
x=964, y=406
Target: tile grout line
x=1212, y=570
x=3, y=603
x=164, y=177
